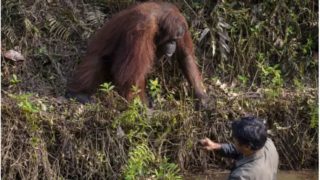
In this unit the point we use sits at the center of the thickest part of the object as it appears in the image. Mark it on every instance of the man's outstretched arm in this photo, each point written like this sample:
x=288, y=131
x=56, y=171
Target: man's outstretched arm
x=225, y=149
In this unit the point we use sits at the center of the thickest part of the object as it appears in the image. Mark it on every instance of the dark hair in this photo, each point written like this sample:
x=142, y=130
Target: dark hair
x=250, y=131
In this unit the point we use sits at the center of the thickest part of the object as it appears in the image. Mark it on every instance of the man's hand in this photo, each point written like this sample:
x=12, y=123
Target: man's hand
x=210, y=145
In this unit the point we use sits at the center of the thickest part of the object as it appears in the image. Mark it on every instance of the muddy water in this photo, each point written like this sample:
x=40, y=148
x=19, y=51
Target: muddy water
x=282, y=175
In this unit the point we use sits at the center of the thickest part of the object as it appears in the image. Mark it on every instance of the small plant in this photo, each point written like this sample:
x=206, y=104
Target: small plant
x=135, y=90
x=155, y=91
x=143, y=164
x=139, y=161
x=28, y=108
x=106, y=87
x=167, y=170
x=270, y=75
x=155, y=88
x=243, y=80
x=134, y=121
x=25, y=104
x=14, y=80
x=133, y=116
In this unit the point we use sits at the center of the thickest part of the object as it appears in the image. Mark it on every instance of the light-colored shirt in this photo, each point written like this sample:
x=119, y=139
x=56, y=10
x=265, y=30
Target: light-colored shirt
x=262, y=165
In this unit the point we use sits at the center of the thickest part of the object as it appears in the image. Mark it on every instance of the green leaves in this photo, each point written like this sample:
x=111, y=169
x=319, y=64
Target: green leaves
x=106, y=87
x=154, y=87
x=25, y=104
x=138, y=164
x=14, y=80
x=143, y=164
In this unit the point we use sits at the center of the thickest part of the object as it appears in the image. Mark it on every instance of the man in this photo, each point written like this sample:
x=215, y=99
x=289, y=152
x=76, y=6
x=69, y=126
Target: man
x=255, y=154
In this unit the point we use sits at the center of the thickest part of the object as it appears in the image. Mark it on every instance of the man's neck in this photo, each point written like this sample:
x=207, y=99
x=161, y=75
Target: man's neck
x=249, y=153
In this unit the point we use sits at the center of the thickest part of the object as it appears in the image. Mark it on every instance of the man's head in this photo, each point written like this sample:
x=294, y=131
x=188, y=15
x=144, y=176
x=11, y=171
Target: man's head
x=250, y=134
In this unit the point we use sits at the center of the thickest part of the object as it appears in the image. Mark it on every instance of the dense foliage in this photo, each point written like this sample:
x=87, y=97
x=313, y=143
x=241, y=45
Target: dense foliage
x=257, y=58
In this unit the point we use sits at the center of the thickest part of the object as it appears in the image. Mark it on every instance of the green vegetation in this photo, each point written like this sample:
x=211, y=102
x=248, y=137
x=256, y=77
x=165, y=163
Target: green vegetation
x=155, y=88
x=257, y=58
x=14, y=80
x=106, y=87
x=141, y=162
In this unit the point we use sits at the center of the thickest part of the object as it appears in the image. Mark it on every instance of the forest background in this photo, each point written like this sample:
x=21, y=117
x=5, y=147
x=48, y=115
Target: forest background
x=257, y=58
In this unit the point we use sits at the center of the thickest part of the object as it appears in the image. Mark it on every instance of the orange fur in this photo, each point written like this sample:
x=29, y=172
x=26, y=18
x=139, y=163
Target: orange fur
x=124, y=49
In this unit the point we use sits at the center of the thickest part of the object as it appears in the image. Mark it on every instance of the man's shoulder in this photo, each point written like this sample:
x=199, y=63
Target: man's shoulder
x=269, y=143
x=270, y=149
